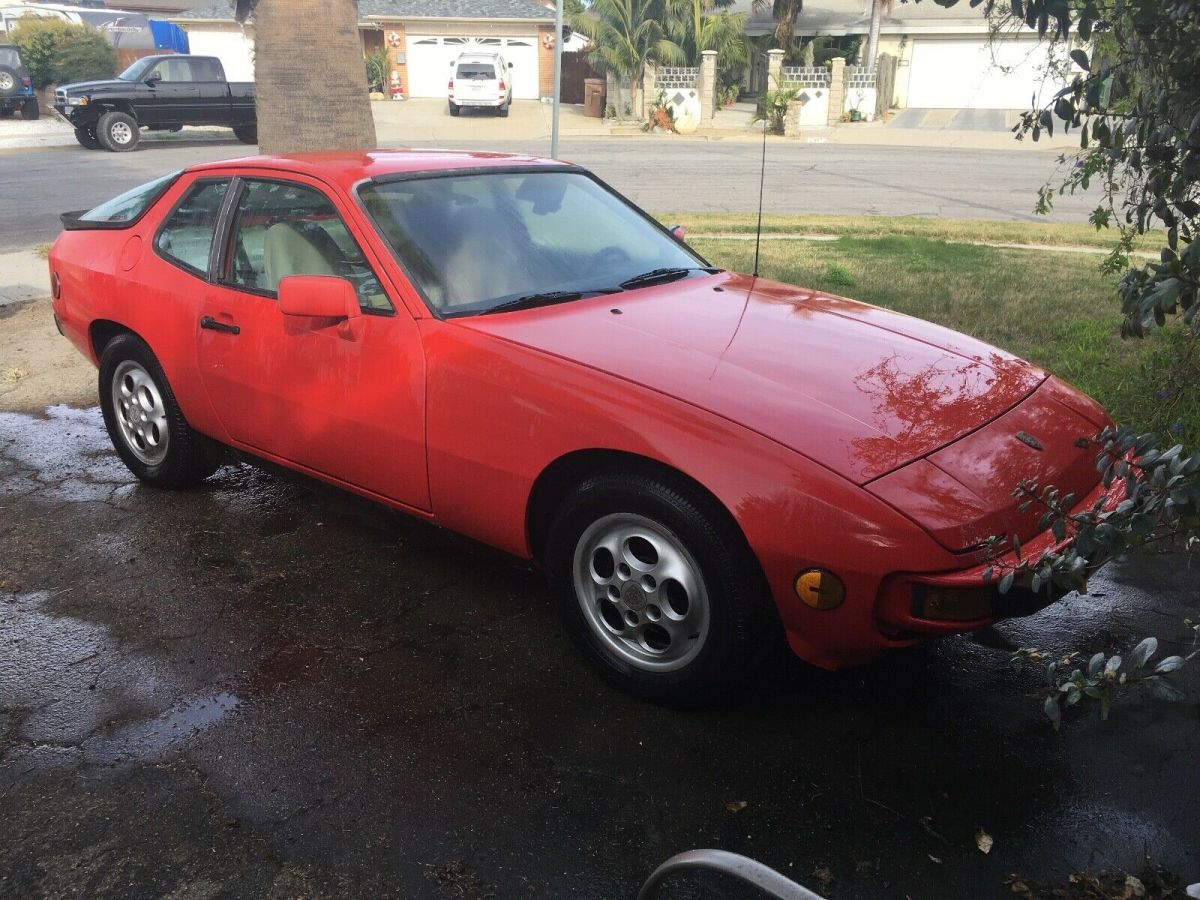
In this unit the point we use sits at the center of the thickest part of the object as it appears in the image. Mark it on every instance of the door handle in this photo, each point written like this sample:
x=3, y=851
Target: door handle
x=213, y=325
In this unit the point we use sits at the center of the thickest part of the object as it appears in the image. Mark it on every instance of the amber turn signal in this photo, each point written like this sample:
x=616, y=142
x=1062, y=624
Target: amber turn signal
x=820, y=589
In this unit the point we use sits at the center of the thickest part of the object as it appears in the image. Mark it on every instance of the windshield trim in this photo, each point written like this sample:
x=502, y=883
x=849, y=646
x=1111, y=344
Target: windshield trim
x=430, y=174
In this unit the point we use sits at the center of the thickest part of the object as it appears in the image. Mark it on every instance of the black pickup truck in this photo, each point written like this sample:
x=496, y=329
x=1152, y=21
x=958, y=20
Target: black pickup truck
x=158, y=93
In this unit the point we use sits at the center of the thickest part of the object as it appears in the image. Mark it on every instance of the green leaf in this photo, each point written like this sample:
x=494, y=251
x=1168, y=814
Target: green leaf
x=1168, y=665
x=1142, y=652
x=1006, y=582
x=1080, y=59
x=1053, y=711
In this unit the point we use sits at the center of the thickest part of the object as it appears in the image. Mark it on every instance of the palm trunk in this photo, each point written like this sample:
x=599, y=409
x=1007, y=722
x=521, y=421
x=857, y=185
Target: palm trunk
x=873, y=35
x=310, y=78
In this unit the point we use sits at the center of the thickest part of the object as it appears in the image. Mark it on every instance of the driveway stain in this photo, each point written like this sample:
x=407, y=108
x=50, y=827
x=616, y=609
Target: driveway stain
x=264, y=688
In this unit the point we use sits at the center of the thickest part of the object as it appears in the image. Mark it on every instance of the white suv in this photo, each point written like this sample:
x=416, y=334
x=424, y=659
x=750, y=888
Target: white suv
x=481, y=79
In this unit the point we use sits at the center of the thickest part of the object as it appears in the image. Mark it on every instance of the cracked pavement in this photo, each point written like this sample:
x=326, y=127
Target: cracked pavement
x=263, y=688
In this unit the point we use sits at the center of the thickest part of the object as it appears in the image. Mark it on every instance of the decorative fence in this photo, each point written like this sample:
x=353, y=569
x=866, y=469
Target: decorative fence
x=812, y=82
x=860, y=90
x=668, y=78
x=804, y=77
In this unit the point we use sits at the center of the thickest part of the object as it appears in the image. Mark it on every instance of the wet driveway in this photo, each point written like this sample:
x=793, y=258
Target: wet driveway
x=264, y=689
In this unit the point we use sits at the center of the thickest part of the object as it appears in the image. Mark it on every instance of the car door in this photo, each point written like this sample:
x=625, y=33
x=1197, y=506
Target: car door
x=174, y=93
x=346, y=399
x=211, y=106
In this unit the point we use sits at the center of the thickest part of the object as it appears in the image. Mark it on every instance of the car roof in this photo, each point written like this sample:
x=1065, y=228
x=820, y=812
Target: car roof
x=347, y=168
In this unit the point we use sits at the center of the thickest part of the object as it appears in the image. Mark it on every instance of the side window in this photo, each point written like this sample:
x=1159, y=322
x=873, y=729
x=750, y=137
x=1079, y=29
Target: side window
x=173, y=70
x=186, y=237
x=283, y=229
x=205, y=70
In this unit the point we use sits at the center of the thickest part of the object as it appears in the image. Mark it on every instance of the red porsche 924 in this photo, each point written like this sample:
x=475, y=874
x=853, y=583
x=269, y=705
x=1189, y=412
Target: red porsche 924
x=505, y=346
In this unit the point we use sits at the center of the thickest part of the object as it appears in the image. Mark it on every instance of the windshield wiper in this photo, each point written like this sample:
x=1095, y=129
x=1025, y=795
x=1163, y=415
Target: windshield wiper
x=546, y=298
x=657, y=276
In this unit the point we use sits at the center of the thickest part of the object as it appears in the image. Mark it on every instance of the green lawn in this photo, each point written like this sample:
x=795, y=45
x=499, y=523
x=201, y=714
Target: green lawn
x=1054, y=308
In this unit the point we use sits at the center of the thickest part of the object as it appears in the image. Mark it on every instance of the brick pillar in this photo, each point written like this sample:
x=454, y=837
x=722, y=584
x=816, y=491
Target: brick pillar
x=791, y=121
x=837, y=90
x=708, y=84
x=774, y=70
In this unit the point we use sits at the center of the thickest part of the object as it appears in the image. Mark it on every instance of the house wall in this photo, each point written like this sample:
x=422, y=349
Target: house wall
x=546, y=60
x=397, y=49
x=232, y=45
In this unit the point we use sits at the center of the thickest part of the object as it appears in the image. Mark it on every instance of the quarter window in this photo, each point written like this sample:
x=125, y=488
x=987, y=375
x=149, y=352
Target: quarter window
x=286, y=229
x=186, y=238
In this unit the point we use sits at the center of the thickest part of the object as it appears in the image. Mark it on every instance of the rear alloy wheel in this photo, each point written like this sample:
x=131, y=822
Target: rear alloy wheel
x=454, y=109
x=144, y=422
x=247, y=134
x=118, y=132
x=31, y=112
x=658, y=587
x=86, y=136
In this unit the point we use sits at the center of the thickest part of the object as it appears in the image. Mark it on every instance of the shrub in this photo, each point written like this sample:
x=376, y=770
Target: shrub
x=772, y=108
x=58, y=52
x=379, y=69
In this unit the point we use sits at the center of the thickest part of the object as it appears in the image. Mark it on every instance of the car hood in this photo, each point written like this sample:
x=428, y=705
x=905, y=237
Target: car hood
x=93, y=87
x=856, y=388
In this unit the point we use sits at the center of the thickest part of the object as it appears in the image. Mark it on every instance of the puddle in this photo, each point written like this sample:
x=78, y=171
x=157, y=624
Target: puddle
x=150, y=739
x=65, y=456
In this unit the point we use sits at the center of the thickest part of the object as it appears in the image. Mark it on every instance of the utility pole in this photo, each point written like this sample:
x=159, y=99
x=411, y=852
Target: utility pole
x=558, y=31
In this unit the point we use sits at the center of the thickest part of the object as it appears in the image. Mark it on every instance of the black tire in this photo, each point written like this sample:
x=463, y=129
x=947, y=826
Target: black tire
x=86, y=136
x=118, y=132
x=31, y=112
x=742, y=624
x=247, y=134
x=503, y=110
x=455, y=109
x=10, y=81
x=180, y=457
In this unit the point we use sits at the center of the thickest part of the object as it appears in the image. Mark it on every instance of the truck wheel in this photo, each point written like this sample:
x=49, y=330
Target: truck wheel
x=87, y=137
x=503, y=110
x=455, y=109
x=31, y=111
x=10, y=81
x=118, y=132
x=247, y=134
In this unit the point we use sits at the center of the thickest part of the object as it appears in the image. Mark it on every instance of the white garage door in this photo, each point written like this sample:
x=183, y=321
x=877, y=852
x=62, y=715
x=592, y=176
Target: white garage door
x=430, y=56
x=976, y=74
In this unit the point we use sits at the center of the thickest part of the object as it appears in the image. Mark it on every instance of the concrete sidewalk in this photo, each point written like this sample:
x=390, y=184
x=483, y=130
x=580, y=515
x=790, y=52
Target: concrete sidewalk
x=24, y=275
x=427, y=120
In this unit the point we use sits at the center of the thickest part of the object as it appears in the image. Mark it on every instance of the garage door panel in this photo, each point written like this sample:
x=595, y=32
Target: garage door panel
x=430, y=58
x=978, y=74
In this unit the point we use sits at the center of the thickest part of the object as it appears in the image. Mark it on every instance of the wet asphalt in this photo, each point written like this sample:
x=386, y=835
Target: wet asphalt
x=263, y=688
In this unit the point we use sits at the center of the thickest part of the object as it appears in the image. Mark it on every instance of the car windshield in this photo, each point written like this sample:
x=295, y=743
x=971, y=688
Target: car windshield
x=10, y=57
x=138, y=69
x=476, y=243
x=131, y=204
x=477, y=71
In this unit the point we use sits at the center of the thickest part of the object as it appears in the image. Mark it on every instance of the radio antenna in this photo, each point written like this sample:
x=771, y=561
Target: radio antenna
x=762, y=177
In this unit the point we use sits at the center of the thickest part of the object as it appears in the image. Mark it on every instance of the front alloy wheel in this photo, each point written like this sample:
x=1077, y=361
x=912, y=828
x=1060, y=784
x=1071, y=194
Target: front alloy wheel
x=641, y=592
x=655, y=581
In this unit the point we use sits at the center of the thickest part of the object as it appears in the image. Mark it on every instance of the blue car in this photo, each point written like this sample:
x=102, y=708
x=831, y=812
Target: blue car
x=16, y=87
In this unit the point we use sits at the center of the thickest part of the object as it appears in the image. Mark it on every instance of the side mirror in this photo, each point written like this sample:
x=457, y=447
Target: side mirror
x=152, y=80
x=318, y=297
x=677, y=232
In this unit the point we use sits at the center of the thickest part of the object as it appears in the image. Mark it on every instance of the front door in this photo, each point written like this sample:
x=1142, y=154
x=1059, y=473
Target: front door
x=343, y=400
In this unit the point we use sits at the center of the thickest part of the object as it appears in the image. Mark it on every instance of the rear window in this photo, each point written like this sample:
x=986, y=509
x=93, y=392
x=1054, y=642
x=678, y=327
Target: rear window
x=10, y=57
x=121, y=211
x=477, y=71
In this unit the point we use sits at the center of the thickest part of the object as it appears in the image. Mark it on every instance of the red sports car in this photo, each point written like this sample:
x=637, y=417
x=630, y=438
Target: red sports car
x=505, y=346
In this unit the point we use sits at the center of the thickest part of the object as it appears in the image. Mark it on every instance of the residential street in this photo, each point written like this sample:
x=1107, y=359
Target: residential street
x=659, y=173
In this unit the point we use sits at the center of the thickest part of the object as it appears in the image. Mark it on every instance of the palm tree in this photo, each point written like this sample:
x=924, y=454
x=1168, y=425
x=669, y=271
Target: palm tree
x=785, y=13
x=627, y=35
x=311, y=88
x=879, y=8
x=698, y=25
